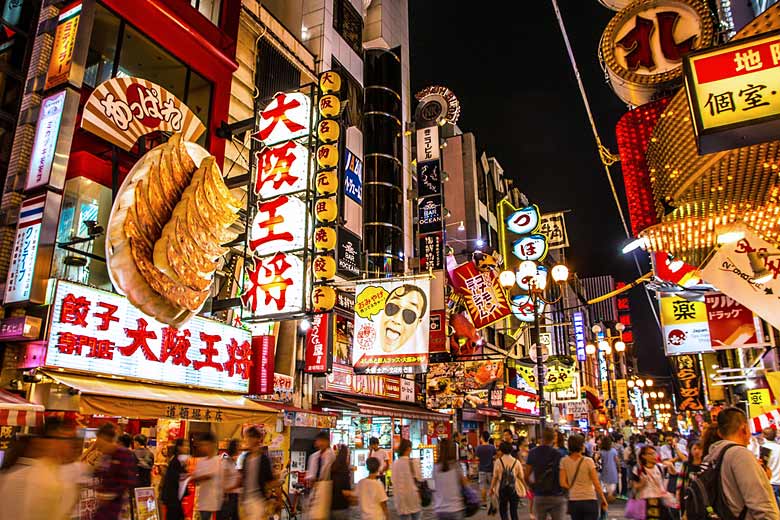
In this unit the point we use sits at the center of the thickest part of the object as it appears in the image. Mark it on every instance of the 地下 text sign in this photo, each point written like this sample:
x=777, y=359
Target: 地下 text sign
x=733, y=93
x=101, y=332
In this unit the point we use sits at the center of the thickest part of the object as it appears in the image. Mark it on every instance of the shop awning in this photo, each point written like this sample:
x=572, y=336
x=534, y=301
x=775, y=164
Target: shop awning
x=290, y=408
x=15, y=411
x=99, y=395
x=376, y=408
x=522, y=417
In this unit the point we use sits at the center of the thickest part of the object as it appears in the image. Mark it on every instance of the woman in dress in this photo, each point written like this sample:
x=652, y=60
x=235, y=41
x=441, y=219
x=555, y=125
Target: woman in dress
x=649, y=484
x=406, y=474
x=579, y=476
x=609, y=467
x=449, y=481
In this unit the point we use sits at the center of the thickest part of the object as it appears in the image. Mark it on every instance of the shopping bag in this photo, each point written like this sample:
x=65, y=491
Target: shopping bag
x=492, y=507
x=636, y=509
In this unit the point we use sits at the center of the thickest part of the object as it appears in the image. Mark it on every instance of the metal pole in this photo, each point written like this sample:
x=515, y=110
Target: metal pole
x=539, y=365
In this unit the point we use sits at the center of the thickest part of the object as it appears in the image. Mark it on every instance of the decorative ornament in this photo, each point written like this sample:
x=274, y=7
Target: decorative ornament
x=327, y=156
x=323, y=298
x=328, y=130
x=330, y=106
x=330, y=81
x=324, y=267
x=326, y=210
x=327, y=182
x=324, y=238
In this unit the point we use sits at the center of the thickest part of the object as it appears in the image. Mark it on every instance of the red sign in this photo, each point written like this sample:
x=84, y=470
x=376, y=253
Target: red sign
x=319, y=344
x=745, y=60
x=732, y=324
x=437, y=338
x=262, y=380
x=485, y=298
x=670, y=269
x=522, y=402
x=343, y=379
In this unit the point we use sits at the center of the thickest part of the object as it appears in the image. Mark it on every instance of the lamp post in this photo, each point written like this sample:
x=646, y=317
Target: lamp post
x=612, y=347
x=537, y=283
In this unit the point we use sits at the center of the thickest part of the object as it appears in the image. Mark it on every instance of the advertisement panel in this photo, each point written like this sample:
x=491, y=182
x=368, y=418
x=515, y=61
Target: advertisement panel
x=263, y=355
x=429, y=214
x=428, y=144
x=747, y=270
x=521, y=402
x=559, y=376
x=455, y=385
x=353, y=177
x=431, y=251
x=47, y=131
x=578, y=320
x=428, y=179
x=732, y=325
x=690, y=395
x=343, y=379
x=25, y=251
x=101, y=332
x=392, y=326
x=484, y=297
x=571, y=394
x=319, y=344
x=437, y=339
x=349, y=256
x=685, y=327
x=62, y=49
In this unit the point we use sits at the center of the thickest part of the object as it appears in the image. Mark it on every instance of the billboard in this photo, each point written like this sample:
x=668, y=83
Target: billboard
x=459, y=385
x=484, y=297
x=685, y=327
x=732, y=325
x=520, y=402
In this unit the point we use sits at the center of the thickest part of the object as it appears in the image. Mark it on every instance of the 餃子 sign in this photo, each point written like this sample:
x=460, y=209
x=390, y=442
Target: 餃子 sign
x=391, y=327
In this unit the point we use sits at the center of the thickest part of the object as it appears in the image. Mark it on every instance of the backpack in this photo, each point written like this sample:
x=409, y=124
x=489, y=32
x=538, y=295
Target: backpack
x=547, y=482
x=507, y=488
x=704, y=499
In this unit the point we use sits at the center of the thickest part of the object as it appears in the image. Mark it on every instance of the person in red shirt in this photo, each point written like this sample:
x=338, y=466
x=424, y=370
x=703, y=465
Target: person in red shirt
x=115, y=473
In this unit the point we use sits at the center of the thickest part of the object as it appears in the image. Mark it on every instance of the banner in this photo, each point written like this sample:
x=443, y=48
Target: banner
x=319, y=344
x=263, y=352
x=521, y=402
x=734, y=267
x=462, y=385
x=732, y=325
x=484, y=297
x=569, y=395
x=689, y=383
x=553, y=226
x=685, y=326
x=392, y=327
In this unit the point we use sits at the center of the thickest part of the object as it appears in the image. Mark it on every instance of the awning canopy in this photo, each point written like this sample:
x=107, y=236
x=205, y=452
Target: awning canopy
x=523, y=417
x=290, y=408
x=15, y=411
x=99, y=395
x=376, y=408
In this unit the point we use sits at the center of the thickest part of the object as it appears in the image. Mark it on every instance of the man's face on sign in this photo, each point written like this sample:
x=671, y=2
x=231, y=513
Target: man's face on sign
x=404, y=308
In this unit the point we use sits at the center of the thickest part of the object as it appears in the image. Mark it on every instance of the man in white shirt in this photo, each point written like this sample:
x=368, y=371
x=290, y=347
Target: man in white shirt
x=208, y=477
x=375, y=452
x=773, y=460
x=321, y=460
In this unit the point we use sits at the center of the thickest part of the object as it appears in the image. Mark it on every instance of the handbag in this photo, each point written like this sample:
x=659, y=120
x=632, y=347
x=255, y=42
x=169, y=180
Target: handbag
x=636, y=509
x=426, y=496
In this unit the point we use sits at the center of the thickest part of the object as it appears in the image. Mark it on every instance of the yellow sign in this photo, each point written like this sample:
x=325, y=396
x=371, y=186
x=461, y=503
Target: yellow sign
x=62, y=50
x=759, y=401
x=685, y=326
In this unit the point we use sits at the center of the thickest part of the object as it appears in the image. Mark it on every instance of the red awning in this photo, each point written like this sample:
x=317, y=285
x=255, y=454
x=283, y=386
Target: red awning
x=592, y=395
x=15, y=411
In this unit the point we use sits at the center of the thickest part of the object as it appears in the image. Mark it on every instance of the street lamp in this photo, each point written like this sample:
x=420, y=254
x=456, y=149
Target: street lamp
x=620, y=347
x=649, y=382
x=640, y=383
x=507, y=279
x=590, y=349
x=653, y=395
x=630, y=383
x=661, y=395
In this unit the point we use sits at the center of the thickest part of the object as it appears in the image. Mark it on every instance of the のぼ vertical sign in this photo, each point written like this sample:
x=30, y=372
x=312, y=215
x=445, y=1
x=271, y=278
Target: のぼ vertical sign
x=391, y=327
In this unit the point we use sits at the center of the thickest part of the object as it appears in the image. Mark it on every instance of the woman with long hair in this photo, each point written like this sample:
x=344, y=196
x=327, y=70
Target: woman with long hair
x=449, y=481
x=579, y=476
x=649, y=484
x=172, y=489
x=609, y=467
x=341, y=475
x=690, y=469
x=406, y=474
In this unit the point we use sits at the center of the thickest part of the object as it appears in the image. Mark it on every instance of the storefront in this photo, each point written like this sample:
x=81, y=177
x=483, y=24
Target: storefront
x=16, y=413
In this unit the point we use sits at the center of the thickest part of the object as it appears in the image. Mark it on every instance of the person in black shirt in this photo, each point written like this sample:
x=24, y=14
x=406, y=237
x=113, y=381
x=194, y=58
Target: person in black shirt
x=486, y=453
x=341, y=476
x=543, y=471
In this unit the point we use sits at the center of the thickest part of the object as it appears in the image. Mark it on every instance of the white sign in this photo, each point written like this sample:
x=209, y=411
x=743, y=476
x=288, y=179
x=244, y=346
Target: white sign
x=734, y=267
x=554, y=228
x=281, y=170
x=28, y=233
x=286, y=117
x=278, y=226
x=101, y=332
x=428, y=144
x=274, y=285
x=577, y=408
x=569, y=395
x=46, y=132
x=407, y=390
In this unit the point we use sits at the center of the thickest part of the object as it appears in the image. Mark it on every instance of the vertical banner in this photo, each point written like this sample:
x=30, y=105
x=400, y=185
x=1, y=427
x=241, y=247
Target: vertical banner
x=319, y=344
x=690, y=396
x=553, y=226
x=47, y=131
x=263, y=354
x=62, y=49
x=485, y=299
x=392, y=326
x=579, y=334
x=437, y=339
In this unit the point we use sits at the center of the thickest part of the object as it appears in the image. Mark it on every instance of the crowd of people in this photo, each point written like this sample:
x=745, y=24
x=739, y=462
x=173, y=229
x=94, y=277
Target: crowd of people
x=662, y=476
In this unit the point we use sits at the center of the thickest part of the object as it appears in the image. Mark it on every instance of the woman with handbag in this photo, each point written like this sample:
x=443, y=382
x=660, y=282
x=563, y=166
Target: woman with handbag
x=449, y=482
x=406, y=477
x=579, y=477
x=652, y=501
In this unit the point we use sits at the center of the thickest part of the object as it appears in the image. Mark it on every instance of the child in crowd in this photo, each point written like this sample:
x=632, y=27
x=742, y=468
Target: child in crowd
x=371, y=494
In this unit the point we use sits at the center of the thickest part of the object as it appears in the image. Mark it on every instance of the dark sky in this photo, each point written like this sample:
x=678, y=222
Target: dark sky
x=507, y=64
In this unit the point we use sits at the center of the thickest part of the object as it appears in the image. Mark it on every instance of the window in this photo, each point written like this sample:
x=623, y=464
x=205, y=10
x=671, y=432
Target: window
x=102, y=48
x=140, y=57
x=353, y=95
x=349, y=24
x=208, y=8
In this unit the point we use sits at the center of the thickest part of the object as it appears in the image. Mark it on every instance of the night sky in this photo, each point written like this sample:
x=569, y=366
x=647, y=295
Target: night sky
x=537, y=127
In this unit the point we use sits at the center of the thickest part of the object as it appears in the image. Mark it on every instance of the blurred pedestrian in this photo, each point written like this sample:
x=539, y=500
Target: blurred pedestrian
x=341, y=475
x=649, y=484
x=507, y=482
x=448, y=483
x=486, y=454
x=690, y=469
x=371, y=494
x=174, y=481
x=578, y=475
x=609, y=467
x=208, y=475
x=256, y=475
x=376, y=452
x=115, y=473
x=406, y=474
x=144, y=460
x=319, y=479
x=231, y=483
x=544, y=466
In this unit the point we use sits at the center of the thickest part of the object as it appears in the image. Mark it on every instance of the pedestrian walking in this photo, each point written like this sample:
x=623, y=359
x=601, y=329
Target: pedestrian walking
x=341, y=475
x=378, y=453
x=318, y=478
x=448, y=481
x=231, y=483
x=578, y=475
x=690, y=469
x=256, y=475
x=507, y=482
x=174, y=481
x=771, y=458
x=208, y=476
x=371, y=494
x=406, y=474
x=543, y=471
x=747, y=492
x=486, y=455
x=649, y=485
x=610, y=463
x=144, y=459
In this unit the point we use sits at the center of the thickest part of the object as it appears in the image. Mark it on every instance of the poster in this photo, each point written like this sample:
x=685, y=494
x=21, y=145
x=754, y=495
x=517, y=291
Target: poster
x=319, y=344
x=559, y=376
x=484, y=297
x=689, y=383
x=462, y=385
x=145, y=504
x=732, y=325
x=685, y=328
x=521, y=402
x=392, y=327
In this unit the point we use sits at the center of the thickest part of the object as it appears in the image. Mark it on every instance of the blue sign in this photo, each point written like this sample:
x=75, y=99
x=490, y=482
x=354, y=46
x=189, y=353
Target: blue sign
x=579, y=334
x=353, y=177
x=583, y=423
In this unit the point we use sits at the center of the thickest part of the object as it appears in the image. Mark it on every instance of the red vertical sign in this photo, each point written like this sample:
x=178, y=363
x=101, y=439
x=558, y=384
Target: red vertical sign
x=319, y=345
x=263, y=353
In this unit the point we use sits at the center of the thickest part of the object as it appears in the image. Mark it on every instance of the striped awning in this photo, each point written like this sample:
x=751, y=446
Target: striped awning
x=765, y=420
x=15, y=411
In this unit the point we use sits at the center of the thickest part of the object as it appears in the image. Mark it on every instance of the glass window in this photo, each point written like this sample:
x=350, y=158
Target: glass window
x=19, y=13
x=199, y=96
x=208, y=8
x=102, y=48
x=141, y=57
x=349, y=24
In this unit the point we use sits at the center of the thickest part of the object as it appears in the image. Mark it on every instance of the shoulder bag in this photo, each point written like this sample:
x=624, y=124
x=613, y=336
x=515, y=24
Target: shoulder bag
x=426, y=496
x=571, y=483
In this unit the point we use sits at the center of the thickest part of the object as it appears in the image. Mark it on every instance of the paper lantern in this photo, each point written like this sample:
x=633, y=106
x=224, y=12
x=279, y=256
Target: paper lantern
x=326, y=209
x=330, y=81
x=323, y=298
x=324, y=267
x=328, y=130
x=327, y=182
x=330, y=106
x=327, y=156
x=324, y=238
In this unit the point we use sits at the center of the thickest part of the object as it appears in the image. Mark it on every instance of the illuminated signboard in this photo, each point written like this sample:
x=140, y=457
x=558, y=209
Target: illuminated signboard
x=520, y=401
x=732, y=93
x=277, y=226
x=579, y=334
x=428, y=144
x=281, y=169
x=46, y=132
x=685, y=326
x=25, y=251
x=62, y=49
x=101, y=332
x=286, y=117
x=274, y=285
